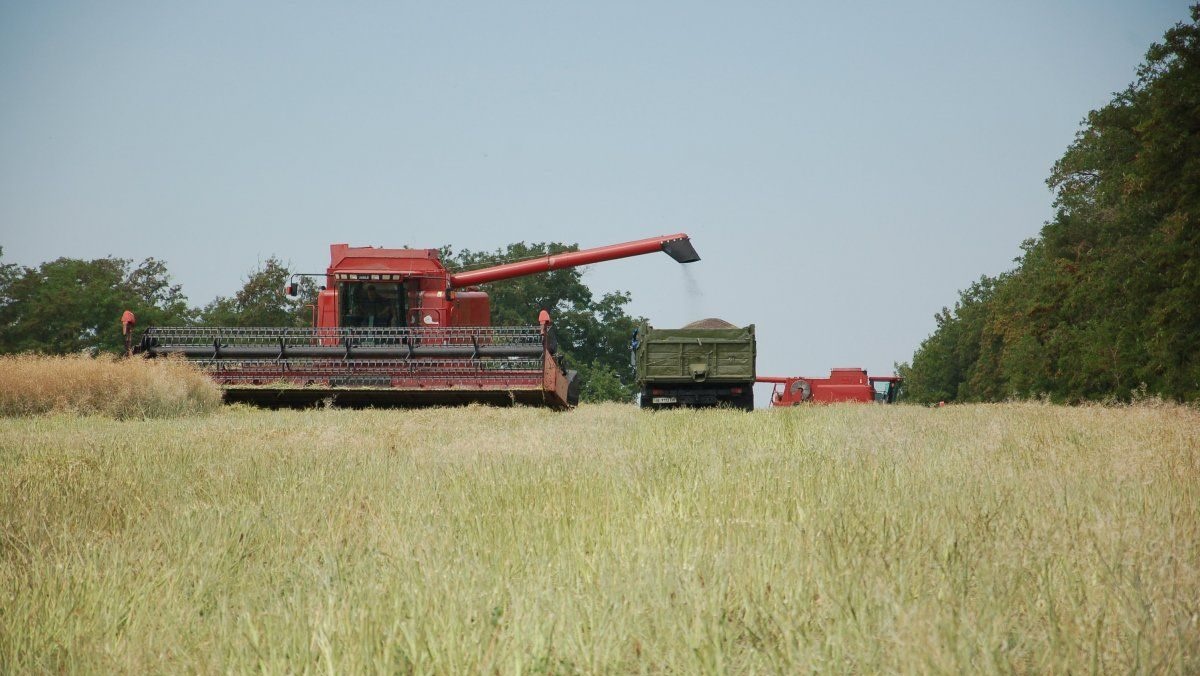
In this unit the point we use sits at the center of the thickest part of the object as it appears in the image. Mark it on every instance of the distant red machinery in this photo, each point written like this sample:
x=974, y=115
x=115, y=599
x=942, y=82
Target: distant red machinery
x=394, y=326
x=842, y=385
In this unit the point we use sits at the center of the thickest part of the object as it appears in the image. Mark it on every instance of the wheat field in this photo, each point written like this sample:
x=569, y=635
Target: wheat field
x=988, y=538
x=34, y=384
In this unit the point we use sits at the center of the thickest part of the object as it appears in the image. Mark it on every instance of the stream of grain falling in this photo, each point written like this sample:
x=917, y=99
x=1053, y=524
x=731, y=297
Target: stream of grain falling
x=694, y=306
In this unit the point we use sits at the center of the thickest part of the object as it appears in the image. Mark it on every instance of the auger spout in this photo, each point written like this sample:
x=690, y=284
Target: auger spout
x=677, y=246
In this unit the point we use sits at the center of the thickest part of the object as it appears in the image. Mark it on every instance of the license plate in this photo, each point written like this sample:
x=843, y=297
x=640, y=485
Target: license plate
x=663, y=400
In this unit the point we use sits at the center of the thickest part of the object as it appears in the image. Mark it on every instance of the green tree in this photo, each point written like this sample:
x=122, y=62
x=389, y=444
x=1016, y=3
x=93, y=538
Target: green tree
x=68, y=305
x=604, y=384
x=1107, y=298
x=261, y=300
x=943, y=366
x=593, y=332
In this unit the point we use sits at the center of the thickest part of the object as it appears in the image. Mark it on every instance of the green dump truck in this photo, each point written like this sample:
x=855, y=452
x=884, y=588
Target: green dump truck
x=706, y=363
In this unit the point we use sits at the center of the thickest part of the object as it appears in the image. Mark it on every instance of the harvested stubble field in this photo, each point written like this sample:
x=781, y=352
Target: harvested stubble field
x=988, y=538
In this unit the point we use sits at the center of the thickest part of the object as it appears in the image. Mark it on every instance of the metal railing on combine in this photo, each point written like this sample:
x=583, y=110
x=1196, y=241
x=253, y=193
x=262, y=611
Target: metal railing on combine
x=407, y=343
x=418, y=358
x=368, y=372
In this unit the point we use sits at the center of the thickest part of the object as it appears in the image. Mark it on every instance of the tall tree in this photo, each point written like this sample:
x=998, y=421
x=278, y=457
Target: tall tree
x=950, y=355
x=261, y=300
x=68, y=305
x=593, y=332
x=1107, y=298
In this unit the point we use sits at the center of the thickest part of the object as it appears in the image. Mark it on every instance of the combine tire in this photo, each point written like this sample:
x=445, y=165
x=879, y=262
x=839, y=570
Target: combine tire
x=572, y=388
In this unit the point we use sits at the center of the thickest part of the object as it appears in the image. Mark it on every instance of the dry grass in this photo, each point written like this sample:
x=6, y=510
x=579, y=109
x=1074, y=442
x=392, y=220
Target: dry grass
x=104, y=386
x=1019, y=537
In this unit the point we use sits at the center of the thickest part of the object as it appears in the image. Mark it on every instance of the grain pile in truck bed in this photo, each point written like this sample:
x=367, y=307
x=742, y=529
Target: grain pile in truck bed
x=710, y=323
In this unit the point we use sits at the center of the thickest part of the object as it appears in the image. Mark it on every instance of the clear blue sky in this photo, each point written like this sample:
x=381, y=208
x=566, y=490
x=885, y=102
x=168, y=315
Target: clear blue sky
x=843, y=168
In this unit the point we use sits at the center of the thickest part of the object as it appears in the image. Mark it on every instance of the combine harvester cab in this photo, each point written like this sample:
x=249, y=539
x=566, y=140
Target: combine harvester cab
x=842, y=385
x=394, y=327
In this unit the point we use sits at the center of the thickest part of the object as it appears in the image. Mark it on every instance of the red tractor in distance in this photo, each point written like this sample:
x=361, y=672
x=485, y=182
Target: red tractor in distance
x=842, y=385
x=395, y=327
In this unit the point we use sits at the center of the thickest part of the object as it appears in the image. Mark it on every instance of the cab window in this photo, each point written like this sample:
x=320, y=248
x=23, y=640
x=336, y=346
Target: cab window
x=371, y=304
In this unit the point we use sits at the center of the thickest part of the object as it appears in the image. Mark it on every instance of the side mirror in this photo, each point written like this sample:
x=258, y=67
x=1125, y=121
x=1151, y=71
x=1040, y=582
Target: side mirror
x=291, y=290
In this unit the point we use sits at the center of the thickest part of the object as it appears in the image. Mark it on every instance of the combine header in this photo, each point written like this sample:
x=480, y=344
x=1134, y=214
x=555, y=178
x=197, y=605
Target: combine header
x=395, y=327
x=842, y=385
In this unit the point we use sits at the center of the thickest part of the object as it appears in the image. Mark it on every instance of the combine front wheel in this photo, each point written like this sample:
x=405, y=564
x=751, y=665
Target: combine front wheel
x=572, y=388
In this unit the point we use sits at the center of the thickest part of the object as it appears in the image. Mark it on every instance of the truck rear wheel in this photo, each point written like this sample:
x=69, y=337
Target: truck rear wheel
x=745, y=400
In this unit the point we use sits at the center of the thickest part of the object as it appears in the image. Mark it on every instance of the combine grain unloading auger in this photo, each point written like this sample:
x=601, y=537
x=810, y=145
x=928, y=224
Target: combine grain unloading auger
x=395, y=327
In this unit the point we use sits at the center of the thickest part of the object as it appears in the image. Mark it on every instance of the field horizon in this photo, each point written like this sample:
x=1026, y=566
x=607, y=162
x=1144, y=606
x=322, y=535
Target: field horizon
x=985, y=538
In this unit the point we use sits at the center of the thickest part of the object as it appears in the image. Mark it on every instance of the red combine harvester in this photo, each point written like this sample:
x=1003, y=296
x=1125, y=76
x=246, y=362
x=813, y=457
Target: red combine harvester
x=395, y=327
x=843, y=384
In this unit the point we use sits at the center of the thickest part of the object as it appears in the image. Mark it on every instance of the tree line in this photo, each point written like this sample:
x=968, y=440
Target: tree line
x=70, y=305
x=1104, y=303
